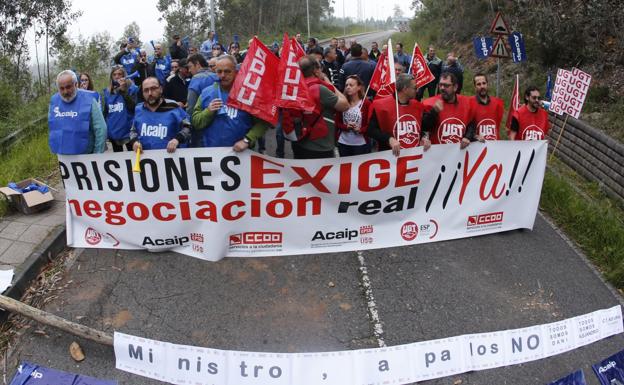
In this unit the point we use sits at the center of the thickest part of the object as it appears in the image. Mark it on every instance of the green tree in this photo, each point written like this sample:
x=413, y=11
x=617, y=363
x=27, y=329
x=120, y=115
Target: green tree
x=186, y=18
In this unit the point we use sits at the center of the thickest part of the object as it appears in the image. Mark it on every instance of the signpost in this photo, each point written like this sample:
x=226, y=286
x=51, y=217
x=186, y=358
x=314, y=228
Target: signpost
x=498, y=48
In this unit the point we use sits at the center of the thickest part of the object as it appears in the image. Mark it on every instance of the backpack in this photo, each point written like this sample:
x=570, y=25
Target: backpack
x=299, y=125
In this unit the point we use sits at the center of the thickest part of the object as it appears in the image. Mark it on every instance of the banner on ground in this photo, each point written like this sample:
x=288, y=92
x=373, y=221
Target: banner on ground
x=32, y=374
x=213, y=202
x=610, y=371
x=402, y=364
x=576, y=378
x=570, y=90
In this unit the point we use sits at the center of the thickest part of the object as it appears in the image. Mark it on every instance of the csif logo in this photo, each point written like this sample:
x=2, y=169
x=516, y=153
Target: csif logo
x=92, y=236
x=484, y=219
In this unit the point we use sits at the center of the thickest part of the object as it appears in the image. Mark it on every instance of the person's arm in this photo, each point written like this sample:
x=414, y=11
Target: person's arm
x=342, y=104
x=98, y=125
x=257, y=131
x=191, y=102
x=339, y=123
x=201, y=118
x=374, y=131
x=120, y=54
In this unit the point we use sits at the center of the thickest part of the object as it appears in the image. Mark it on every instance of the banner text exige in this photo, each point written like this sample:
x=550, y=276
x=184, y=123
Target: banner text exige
x=212, y=202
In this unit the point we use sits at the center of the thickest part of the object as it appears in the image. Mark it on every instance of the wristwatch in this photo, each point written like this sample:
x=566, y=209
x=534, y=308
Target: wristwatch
x=246, y=140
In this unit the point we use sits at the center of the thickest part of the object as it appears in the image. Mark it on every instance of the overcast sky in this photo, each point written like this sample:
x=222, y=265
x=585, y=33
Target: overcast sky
x=114, y=15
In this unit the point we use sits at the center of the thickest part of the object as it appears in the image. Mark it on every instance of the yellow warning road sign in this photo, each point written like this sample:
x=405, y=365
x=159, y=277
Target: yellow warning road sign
x=499, y=49
x=500, y=26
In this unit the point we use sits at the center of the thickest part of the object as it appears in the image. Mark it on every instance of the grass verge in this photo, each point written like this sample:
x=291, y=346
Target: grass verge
x=29, y=158
x=594, y=221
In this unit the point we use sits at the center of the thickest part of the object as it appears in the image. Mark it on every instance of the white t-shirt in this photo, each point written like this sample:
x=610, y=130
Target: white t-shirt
x=352, y=138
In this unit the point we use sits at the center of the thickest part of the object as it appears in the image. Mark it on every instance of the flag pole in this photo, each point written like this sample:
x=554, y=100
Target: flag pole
x=560, y=134
x=409, y=71
x=393, y=80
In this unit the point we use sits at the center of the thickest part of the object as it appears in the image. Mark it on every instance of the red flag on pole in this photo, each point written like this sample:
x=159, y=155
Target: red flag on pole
x=419, y=68
x=291, y=89
x=254, y=88
x=297, y=48
x=514, y=104
x=381, y=81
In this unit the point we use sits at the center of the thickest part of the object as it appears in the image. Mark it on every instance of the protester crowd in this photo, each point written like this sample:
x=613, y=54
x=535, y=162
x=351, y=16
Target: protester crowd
x=179, y=99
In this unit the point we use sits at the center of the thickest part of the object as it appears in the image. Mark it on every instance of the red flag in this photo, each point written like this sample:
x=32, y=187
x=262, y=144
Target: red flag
x=297, y=48
x=419, y=68
x=514, y=104
x=291, y=89
x=254, y=88
x=381, y=81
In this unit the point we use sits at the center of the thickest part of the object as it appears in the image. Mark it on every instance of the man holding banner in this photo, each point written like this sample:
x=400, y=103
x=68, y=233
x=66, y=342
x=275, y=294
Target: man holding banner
x=411, y=129
x=159, y=123
x=488, y=110
x=530, y=122
x=455, y=121
x=224, y=125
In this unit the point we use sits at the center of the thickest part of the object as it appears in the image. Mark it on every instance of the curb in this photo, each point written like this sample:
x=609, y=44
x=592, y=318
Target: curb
x=45, y=252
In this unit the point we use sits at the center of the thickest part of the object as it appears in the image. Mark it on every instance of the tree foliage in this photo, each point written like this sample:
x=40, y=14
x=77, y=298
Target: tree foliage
x=91, y=55
x=131, y=30
x=185, y=17
x=557, y=32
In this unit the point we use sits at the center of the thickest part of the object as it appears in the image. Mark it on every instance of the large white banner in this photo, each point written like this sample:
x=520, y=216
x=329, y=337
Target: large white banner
x=213, y=202
x=402, y=364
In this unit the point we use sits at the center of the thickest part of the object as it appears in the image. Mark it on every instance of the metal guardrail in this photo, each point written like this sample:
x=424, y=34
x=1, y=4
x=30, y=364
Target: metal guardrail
x=13, y=138
x=591, y=153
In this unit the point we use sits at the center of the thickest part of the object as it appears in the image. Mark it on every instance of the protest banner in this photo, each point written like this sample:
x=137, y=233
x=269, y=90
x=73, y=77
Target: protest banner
x=610, y=371
x=401, y=364
x=214, y=202
x=483, y=46
x=569, y=93
x=32, y=374
x=568, y=96
x=291, y=89
x=576, y=378
x=381, y=81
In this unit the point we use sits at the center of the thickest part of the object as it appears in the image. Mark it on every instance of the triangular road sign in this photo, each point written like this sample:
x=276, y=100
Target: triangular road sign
x=500, y=26
x=499, y=49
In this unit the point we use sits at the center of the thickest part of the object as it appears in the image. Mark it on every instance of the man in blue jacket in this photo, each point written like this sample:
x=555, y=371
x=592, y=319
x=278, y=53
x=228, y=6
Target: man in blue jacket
x=75, y=119
x=158, y=123
x=358, y=65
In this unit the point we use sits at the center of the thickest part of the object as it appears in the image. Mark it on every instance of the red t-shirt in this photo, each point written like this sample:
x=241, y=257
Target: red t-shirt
x=488, y=117
x=410, y=121
x=450, y=126
x=531, y=125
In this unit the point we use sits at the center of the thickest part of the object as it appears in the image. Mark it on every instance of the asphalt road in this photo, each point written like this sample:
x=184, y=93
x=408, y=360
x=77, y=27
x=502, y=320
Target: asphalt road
x=317, y=303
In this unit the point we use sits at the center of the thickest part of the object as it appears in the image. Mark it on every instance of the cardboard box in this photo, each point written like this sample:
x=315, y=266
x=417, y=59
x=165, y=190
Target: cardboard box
x=30, y=202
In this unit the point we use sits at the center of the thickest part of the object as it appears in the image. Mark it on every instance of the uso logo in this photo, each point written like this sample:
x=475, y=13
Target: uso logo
x=409, y=231
x=92, y=237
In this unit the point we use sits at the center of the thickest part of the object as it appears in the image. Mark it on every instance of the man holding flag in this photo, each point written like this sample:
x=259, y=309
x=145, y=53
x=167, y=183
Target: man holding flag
x=224, y=125
x=326, y=101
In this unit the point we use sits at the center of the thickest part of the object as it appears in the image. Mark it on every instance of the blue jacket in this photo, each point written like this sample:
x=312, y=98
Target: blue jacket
x=359, y=67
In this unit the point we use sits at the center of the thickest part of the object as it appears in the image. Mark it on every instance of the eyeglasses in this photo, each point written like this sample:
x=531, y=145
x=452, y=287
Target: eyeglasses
x=84, y=80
